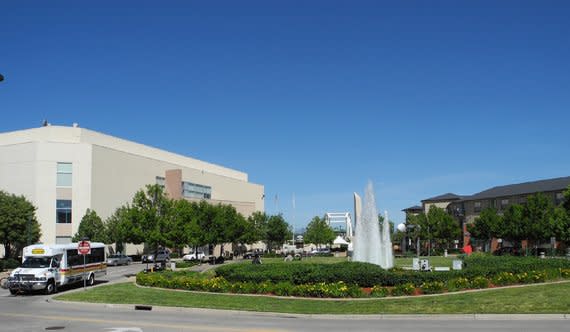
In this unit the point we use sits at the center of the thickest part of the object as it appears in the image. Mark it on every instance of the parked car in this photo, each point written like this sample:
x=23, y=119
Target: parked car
x=193, y=256
x=119, y=259
x=321, y=251
x=161, y=255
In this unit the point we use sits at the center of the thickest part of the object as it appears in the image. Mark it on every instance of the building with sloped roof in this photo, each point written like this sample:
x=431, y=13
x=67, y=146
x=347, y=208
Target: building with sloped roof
x=466, y=208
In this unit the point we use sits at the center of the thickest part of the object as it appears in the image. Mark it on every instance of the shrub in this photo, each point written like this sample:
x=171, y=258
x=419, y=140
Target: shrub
x=479, y=282
x=458, y=284
x=403, y=289
x=283, y=289
x=432, y=287
x=185, y=264
x=379, y=291
x=531, y=277
x=504, y=278
x=9, y=264
x=564, y=273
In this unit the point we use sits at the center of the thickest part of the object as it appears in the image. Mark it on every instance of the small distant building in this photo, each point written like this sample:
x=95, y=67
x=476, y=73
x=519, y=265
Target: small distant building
x=413, y=211
x=341, y=223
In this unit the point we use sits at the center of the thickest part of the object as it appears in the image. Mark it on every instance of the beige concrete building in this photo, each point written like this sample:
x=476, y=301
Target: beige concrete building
x=64, y=171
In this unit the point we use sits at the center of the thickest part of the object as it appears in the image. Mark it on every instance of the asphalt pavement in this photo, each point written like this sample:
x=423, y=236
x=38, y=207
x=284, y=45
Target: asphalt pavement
x=42, y=313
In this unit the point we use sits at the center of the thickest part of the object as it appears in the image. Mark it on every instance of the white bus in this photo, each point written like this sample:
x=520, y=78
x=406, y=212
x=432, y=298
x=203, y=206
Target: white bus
x=45, y=267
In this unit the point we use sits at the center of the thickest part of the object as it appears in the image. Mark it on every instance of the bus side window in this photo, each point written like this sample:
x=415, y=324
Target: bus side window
x=55, y=262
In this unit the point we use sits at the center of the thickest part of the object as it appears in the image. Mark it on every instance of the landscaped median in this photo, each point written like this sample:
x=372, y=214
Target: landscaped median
x=357, y=280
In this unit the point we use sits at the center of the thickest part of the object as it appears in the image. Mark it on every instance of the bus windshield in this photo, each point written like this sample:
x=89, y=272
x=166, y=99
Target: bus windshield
x=37, y=262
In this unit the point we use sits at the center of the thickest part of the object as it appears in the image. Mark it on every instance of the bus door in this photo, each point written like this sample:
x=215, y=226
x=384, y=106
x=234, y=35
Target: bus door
x=55, y=268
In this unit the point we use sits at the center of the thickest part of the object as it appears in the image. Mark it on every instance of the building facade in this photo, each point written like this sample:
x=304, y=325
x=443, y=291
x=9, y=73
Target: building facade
x=64, y=171
x=467, y=208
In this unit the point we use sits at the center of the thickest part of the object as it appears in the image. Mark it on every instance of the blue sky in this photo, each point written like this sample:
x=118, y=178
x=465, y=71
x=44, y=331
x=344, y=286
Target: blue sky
x=310, y=98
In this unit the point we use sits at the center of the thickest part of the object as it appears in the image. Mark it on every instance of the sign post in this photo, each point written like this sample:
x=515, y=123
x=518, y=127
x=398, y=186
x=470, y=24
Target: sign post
x=84, y=248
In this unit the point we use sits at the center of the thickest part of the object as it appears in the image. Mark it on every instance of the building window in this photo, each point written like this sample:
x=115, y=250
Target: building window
x=504, y=204
x=63, y=210
x=64, y=174
x=477, y=207
x=192, y=190
x=160, y=181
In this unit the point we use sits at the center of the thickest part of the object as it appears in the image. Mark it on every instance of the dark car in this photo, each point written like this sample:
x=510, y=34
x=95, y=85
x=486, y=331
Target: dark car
x=503, y=251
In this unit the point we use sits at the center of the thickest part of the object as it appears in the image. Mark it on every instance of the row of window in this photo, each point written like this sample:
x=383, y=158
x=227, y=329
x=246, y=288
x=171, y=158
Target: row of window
x=63, y=206
x=504, y=203
x=74, y=258
x=193, y=190
x=189, y=189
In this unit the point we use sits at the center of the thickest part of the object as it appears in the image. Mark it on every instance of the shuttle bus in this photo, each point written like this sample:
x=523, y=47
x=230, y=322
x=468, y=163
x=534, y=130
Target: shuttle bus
x=46, y=267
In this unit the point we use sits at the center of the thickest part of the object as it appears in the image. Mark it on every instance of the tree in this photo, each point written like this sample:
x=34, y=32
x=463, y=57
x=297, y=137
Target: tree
x=18, y=224
x=559, y=224
x=486, y=226
x=277, y=231
x=256, y=228
x=513, y=229
x=117, y=228
x=443, y=228
x=91, y=227
x=149, y=217
x=319, y=232
x=536, y=216
x=566, y=202
x=183, y=227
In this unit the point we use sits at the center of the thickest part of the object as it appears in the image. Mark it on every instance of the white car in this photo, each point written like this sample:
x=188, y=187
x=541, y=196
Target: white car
x=119, y=259
x=193, y=256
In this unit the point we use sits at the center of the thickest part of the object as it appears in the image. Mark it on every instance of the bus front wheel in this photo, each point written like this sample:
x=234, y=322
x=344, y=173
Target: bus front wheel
x=91, y=280
x=50, y=287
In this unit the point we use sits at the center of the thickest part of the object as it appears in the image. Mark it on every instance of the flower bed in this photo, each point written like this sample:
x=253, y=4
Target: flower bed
x=197, y=282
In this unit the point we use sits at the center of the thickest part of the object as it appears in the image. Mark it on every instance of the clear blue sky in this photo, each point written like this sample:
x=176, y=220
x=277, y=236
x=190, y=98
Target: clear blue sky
x=311, y=98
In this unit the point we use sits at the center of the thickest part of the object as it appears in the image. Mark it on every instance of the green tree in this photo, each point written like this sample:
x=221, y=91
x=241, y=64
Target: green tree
x=117, y=228
x=277, y=232
x=537, y=214
x=559, y=224
x=256, y=228
x=91, y=227
x=486, y=225
x=566, y=202
x=443, y=228
x=512, y=228
x=183, y=227
x=149, y=217
x=18, y=224
x=319, y=232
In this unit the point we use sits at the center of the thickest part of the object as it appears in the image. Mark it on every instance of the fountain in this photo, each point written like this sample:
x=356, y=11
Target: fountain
x=371, y=244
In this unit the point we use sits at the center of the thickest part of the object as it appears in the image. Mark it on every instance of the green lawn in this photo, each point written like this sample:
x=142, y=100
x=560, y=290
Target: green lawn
x=399, y=262
x=551, y=298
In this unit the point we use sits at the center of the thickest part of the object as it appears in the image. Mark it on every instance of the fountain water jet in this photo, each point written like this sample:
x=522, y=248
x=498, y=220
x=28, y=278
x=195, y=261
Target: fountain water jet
x=370, y=244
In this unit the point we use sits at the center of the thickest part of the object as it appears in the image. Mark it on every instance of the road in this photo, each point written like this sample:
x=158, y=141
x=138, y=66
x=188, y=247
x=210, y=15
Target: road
x=41, y=313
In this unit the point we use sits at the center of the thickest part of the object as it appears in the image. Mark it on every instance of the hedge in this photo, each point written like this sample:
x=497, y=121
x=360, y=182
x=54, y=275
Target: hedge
x=369, y=275
x=194, y=281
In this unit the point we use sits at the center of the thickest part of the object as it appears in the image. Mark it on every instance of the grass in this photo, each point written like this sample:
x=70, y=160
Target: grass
x=399, y=262
x=550, y=298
